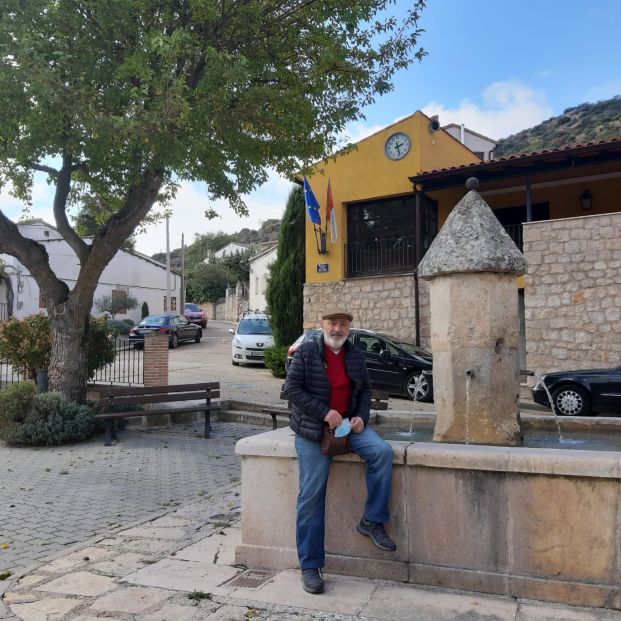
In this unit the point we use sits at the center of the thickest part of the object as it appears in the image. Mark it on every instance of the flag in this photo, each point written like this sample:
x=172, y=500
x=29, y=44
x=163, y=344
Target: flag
x=331, y=215
x=312, y=206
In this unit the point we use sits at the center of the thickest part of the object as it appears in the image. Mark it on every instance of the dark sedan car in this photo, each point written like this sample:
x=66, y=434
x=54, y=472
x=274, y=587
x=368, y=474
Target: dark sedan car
x=581, y=393
x=394, y=365
x=177, y=327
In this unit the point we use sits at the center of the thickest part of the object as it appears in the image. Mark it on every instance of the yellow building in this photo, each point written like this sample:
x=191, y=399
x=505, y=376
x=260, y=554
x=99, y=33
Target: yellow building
x=374, y=255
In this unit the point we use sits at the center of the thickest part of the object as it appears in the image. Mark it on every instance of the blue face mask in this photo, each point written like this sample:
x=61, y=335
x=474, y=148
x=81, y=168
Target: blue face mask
x=343, y=429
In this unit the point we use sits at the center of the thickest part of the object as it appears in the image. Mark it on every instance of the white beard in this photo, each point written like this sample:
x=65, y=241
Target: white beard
x=334, y=342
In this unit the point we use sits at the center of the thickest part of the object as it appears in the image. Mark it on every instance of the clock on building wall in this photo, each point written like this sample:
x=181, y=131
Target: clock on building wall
x=397, y=146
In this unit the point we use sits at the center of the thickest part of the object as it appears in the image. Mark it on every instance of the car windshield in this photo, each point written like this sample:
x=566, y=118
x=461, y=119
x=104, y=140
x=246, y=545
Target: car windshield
x=410, y=348
x=254, y=325
x=154, y=320
x=192, y=308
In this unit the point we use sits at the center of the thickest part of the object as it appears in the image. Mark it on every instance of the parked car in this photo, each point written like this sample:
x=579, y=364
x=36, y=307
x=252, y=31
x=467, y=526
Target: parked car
x=177, y=327
x=250, y=339
x=195, y=314
x=394, y=365
x=581, y=393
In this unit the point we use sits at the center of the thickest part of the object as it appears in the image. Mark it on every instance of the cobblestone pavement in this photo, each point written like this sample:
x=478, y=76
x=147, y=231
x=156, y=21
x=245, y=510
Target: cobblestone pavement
x=53, y=497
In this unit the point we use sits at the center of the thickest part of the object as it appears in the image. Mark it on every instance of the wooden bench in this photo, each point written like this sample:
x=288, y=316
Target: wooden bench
x=379, y=401
x=114, y=399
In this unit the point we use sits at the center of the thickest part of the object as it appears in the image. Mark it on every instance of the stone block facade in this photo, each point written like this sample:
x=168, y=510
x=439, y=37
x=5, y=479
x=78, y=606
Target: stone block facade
x=572, y=293
x=383, y=303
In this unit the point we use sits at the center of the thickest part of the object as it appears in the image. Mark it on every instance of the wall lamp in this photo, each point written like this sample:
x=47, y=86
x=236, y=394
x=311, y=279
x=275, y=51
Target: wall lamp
x=586, y=200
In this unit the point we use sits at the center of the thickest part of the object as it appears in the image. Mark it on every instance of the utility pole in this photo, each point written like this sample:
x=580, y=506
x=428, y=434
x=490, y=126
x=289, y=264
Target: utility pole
x=168, y=301
x=182, y=292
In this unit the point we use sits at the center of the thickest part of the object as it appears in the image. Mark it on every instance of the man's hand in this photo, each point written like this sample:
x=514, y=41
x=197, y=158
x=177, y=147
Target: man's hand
x=333, y=418
x=357, y=424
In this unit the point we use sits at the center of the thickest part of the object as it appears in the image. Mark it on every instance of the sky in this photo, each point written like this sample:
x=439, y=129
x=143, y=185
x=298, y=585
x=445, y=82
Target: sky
x=497, y=66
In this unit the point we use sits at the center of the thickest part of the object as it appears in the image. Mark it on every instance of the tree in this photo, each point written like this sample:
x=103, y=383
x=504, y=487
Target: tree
x=116, y=101
x=207, y=282
x=285, y=286
x=120, y=301
x=239, y=264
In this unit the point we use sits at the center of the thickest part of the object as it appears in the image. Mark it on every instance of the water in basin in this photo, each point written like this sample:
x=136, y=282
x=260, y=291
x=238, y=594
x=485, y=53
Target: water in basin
x=577, y=440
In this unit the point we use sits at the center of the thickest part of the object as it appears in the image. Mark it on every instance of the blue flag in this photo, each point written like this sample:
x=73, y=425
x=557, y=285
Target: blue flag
x=312, y=206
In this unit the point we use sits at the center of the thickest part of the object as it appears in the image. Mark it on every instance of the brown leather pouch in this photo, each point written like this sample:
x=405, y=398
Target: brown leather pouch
x=331, y=445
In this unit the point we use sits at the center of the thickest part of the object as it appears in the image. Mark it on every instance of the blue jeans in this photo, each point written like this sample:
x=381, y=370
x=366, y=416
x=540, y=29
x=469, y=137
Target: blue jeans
x=314, y=469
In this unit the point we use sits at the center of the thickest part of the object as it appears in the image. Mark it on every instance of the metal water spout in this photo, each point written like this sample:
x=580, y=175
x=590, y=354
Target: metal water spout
x=472, y=266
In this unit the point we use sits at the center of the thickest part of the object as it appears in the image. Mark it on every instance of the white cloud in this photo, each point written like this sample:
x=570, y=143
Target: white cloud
x=507, y=108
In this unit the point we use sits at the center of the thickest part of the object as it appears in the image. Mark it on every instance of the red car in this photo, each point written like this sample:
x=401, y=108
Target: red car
x=195, y=314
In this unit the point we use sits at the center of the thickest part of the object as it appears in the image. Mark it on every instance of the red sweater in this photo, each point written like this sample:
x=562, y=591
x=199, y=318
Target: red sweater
x=341, y=387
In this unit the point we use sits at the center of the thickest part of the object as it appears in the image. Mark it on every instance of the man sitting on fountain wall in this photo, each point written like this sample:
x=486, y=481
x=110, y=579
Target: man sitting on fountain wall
x=328, y=382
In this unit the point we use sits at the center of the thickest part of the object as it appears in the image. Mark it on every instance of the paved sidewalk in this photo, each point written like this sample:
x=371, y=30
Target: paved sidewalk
x=176, y=560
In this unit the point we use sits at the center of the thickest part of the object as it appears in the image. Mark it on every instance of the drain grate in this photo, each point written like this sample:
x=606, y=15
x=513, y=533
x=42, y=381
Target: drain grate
x=250, y=579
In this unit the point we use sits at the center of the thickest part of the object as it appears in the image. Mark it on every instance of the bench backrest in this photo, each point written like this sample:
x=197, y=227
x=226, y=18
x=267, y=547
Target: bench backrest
x=110, y=396
x=379, y=399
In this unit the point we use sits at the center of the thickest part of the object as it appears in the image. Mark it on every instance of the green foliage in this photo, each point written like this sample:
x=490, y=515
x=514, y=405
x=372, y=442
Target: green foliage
x=117, y=327
x=207, y=282
x=99, y=345
x=27, y=344
x=588, y=122
x=239, y=264
x=15, y=402
x=144, y=310
x=285, y=286
x=275, y=360
x=114, y=304
x=49, y=420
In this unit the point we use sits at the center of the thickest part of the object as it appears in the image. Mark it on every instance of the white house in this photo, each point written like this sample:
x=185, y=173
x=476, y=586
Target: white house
x=480, y=145
x=231, y=249
x=259, y=274
x=139, y=275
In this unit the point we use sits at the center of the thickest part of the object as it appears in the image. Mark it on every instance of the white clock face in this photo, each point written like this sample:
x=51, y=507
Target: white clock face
x=397, y=146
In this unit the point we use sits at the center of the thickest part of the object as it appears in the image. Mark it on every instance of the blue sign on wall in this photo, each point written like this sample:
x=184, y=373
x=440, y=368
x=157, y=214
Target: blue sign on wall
x=322, y=267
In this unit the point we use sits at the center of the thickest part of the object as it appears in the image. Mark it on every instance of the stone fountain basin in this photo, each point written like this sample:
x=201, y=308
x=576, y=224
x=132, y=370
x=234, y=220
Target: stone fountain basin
x=524, y=522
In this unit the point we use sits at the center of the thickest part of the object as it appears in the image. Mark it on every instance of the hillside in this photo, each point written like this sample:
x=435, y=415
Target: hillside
x=584, y=123
x=268, y=232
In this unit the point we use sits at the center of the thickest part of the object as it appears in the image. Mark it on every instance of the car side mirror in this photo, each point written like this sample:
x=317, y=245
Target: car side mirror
x=231, y=331
x=385, y=355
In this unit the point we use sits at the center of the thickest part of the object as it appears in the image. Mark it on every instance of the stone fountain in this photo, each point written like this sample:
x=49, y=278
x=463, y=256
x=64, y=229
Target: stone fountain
x=472, y=510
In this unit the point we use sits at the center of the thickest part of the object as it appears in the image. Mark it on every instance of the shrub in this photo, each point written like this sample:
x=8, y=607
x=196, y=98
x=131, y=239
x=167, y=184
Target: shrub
x=275, y=360
x=118, y=327
x=144, y=311
x=15, y=401
x=27, y=344
x=51, y=419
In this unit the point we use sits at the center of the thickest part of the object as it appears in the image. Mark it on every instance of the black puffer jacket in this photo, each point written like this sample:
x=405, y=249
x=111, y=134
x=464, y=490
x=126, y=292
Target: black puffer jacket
x=308, y=388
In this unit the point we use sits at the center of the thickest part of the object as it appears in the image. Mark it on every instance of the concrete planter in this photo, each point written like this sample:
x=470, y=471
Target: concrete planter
x=533, y=523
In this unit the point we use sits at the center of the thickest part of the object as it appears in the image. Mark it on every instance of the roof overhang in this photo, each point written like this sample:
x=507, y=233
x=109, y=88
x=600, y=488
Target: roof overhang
x=521, y=166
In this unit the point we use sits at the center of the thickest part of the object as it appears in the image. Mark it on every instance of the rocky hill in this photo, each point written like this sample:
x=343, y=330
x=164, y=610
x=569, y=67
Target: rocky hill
x=585, y=123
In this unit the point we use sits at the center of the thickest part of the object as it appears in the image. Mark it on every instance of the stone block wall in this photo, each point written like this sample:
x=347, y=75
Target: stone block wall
x=383, y=303
x=572, y=293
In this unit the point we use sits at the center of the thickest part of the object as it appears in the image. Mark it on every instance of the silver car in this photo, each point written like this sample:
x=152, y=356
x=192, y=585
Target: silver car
x=250, y=339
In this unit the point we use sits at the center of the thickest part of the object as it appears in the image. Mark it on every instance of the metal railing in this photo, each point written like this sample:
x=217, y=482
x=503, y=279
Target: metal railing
x=127, y=368
x=396, y=255
x=515, y=233
x=8, y=374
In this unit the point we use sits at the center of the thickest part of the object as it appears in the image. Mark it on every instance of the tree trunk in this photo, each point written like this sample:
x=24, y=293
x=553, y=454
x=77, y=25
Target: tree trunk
x=68, y=371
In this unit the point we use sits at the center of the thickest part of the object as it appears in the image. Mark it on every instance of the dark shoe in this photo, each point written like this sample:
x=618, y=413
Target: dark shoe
x=377, y=534
x=312, y=581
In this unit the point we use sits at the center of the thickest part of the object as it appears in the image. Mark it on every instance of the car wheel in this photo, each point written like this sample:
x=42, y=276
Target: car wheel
x=173, y=342
x=235, y=364
x=199, y=336
x=571, y=401
x=417, y=387
x=138, y=345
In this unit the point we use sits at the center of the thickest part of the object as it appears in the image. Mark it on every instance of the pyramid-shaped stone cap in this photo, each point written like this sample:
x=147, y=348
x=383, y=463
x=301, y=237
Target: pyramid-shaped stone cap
x=472, y=240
